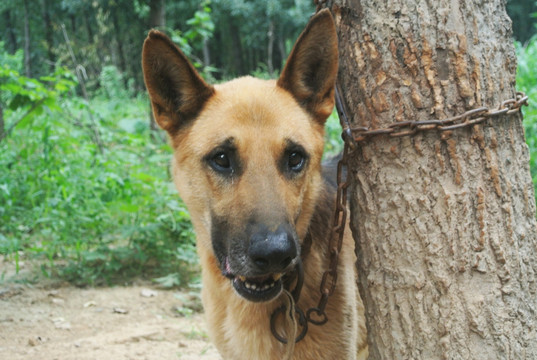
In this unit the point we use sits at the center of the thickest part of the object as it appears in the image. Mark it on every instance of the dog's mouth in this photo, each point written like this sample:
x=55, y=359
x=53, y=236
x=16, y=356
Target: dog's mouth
x=260, y=288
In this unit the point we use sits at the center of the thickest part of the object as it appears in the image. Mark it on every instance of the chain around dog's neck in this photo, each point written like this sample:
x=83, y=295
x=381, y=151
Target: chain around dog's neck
x=290, y=298
x=317, y=315
x=298, y=275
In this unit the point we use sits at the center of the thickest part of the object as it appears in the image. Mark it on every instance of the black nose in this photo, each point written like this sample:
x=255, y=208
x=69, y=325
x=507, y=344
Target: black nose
x=273, y=251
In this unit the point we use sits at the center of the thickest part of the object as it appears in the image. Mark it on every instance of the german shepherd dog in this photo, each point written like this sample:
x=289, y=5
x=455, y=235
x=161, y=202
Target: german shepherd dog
x=247, y=163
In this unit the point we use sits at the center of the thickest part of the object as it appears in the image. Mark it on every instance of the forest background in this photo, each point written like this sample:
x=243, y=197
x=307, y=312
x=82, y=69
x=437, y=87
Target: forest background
x=85, y=190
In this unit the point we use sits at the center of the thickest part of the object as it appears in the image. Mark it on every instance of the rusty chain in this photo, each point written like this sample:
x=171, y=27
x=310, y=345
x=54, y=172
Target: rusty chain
x=351, y=137
x=317, y=315
x=469, y=118
x=339, y=220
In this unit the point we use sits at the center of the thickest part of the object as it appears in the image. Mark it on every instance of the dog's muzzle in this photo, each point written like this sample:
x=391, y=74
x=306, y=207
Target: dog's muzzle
x=270, y=255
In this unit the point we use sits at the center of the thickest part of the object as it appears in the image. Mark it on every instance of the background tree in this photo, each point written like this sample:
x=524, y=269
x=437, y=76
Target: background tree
x=444, y=222
x=247, y=35
x=522, y=13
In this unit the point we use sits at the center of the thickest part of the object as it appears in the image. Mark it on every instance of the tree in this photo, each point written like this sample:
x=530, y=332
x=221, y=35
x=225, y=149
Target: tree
x=157, y=14
x=47, y=25
x=444, y=221
x=27, y=41
x=10, y=33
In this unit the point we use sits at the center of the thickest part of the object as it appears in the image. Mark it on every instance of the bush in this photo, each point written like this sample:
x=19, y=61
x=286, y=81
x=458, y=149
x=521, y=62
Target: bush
x=112, y=83
x=94, y=217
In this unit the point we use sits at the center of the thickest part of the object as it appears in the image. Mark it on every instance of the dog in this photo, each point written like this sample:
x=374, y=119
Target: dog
x=247, y=164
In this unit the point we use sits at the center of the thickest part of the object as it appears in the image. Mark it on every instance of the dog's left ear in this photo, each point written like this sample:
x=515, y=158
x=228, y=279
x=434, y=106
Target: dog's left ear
x=311, y=70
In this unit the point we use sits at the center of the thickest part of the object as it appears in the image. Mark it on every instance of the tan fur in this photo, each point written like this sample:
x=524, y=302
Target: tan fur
x=260, y=116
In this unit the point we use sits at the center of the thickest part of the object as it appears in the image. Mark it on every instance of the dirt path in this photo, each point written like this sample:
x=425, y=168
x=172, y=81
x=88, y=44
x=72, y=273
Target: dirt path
x=136, y=322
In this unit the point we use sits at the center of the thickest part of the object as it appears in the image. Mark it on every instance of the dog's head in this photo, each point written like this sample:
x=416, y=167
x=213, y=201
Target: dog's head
x=247, y=153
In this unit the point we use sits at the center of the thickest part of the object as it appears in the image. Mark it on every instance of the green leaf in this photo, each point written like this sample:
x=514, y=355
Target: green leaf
x=19, y=101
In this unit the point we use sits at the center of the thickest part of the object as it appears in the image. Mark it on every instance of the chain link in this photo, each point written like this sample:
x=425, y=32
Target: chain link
x=317, y=315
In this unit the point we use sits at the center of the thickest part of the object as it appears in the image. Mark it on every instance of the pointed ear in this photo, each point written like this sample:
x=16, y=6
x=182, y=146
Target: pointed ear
x=176, y=90
x=311, y=70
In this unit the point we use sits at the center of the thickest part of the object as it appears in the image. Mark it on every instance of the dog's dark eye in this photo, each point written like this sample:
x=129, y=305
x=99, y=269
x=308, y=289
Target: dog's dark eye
x=296, y=161
x=221, y=161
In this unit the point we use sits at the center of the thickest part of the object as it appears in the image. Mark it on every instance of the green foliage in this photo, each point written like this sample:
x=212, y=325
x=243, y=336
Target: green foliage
x=93, y=218
x=11, y=61
x=527, y=82
x=21, y=93
x=25, y=98
x=112, y=83
x=201, y=29
x=201, y=25
x=333, y=144
x=228, y=35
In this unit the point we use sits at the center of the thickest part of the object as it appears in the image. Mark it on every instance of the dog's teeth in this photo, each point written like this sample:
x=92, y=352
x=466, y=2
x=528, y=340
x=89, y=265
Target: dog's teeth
x=257, y=287
x=276, y=277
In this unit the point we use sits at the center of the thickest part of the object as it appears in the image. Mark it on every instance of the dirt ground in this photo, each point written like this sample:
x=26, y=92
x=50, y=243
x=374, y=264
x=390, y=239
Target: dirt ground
x=135, y=322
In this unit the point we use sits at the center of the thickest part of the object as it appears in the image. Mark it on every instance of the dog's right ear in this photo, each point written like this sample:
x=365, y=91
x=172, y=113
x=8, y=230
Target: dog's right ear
x=311, y=70
x=176, y=90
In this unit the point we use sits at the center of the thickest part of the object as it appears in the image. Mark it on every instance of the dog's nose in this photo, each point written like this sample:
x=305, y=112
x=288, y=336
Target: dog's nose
x=272, y=252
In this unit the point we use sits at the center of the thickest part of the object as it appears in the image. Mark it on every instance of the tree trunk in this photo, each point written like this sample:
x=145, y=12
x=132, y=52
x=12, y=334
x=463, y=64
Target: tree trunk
x=206, y=52
x=27, y=55
x=10, y=30
x=270, y=47
x=444, y=222
x=48, y=34
x=157, y=14
x=89, y=29
x=281, y=50
x=238, y=64
x=119, y=40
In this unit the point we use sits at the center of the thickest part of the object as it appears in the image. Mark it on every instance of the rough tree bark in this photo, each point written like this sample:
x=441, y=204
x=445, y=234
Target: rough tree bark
x=444, y=222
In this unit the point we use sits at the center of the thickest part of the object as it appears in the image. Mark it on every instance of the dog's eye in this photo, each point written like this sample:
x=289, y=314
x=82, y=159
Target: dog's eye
x=296, y=161
x=221, y=161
